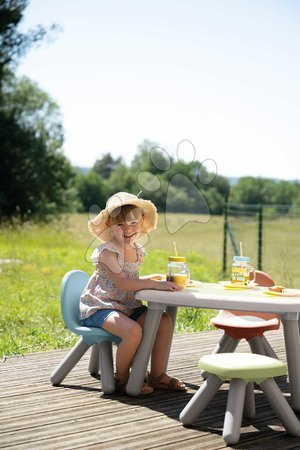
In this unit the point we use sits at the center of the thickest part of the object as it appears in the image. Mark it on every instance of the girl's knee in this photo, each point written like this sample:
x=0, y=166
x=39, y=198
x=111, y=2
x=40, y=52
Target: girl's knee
x=134, y=333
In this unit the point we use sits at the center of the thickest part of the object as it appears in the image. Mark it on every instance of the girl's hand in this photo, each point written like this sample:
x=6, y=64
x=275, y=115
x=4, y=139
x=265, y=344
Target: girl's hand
x=167, y=286
x=133, y=239
x=117, y=234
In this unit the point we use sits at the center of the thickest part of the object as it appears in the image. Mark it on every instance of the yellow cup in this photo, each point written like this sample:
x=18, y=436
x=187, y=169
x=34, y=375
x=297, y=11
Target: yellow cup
x=241, y=269
x=180, y=280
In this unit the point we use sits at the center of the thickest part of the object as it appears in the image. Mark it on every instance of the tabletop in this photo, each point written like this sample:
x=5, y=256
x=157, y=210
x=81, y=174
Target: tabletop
x=216, y=296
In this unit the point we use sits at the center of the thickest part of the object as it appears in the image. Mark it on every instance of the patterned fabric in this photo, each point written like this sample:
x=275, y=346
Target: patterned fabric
x=101, y=293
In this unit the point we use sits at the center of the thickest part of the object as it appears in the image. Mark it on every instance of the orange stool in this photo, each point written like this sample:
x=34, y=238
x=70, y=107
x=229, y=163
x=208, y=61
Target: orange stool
x=251, y=326
x=239, y=325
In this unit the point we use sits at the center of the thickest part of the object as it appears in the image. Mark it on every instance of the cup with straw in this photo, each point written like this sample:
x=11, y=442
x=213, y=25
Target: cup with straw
x=177, y=270
x=241, y=269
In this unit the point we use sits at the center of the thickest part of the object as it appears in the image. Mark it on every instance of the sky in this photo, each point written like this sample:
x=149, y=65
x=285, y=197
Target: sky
x=221, y=74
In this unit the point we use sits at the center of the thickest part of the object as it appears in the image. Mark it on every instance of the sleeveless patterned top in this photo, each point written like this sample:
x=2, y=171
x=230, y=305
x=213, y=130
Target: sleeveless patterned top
x=101, y=293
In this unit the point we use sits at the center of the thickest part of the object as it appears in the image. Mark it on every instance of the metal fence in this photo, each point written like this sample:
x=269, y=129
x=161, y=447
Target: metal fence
x=270, y=235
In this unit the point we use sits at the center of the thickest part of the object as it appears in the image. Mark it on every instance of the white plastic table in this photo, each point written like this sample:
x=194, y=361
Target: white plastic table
x=215, y=296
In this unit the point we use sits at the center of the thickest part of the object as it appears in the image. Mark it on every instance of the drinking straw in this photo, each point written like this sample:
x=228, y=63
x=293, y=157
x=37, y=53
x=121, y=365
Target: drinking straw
x=175, y=248
x=241, y=249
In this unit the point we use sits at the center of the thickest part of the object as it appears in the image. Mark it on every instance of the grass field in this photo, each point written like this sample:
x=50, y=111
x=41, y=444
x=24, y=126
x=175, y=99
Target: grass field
x=40, y=255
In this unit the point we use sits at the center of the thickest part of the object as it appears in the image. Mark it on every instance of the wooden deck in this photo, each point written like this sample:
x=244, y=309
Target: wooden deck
x=36, y=415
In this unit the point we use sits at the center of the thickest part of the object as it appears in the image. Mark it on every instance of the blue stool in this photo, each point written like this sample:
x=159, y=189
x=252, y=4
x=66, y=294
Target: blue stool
x=240, y=369
x=100, y=340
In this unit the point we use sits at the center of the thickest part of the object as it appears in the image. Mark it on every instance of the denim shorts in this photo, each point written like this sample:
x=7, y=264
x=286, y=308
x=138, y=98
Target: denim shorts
x=99, y=317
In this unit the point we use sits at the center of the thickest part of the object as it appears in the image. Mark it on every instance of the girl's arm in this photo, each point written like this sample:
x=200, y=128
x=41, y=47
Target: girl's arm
x=110, y=261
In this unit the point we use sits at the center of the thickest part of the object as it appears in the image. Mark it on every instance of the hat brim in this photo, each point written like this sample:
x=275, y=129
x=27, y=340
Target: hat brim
x=99, y=228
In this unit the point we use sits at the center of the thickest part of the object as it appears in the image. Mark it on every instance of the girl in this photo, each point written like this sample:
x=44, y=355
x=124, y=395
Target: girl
x=108, y=300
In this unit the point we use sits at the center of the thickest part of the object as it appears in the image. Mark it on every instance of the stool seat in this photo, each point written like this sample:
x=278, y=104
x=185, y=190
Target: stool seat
x=242, y=369
x=240, y=325
x=246, y=366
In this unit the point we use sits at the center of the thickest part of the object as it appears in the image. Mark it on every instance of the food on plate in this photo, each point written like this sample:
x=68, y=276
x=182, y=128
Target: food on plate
x=276, y=288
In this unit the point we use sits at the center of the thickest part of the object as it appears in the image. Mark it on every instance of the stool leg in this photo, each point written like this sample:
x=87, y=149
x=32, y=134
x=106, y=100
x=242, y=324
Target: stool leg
x=249, y=405
x=69, y=361
x=257, y=346
x=94, y=365
x=225, y=345
x=268, y=348
x=234, y=411
x=281, y=406
x=107, y=367
x=199, y=400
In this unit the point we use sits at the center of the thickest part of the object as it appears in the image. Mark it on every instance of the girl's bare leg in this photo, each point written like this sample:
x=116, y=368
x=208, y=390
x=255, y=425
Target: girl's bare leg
x=161, y=345
x=160, y=348
x=131, y=334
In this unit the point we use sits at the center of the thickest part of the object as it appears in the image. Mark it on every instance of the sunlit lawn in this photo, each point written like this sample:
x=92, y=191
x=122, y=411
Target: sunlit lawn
x=30, y=306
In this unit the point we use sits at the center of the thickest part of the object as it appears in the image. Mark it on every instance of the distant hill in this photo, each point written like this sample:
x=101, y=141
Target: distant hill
x=233, y=180
x=82, y=170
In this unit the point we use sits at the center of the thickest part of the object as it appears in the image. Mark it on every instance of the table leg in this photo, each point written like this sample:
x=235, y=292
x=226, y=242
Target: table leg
x=172, y=311
x=292, y=346
x=143, y=353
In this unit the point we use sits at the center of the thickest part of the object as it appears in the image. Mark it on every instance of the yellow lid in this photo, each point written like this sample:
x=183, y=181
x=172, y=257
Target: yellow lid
x=177, y=258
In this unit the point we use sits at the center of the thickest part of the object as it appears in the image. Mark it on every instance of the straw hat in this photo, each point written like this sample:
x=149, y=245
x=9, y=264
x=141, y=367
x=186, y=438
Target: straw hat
x=98, y=226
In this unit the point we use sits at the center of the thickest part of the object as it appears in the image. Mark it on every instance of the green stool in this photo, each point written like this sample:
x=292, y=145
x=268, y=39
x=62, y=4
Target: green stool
x=241, y=369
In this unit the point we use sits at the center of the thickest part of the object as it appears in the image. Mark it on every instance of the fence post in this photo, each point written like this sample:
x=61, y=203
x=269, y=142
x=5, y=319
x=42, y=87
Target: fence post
x=260, y=237
x=225, y=235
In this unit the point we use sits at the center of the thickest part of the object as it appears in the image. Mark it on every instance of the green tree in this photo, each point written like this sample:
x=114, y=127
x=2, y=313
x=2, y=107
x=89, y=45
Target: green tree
x=150, y=157
x=13, y=43
x=34, y=110
x=122, y=178
x=185, y=185
x=249, y=190
x=285, y=193
x=215, y=200
x=91, y=191
x=281, y=194
x=35, y=177
x=106, y=165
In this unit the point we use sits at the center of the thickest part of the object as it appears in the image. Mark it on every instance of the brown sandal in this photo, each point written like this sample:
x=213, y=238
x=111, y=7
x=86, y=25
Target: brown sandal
x=174, y=384
x=146, y=389
x=121, y=385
